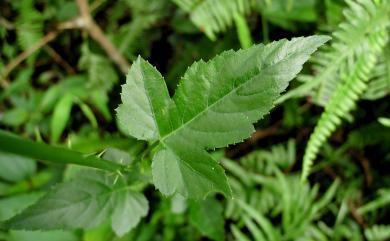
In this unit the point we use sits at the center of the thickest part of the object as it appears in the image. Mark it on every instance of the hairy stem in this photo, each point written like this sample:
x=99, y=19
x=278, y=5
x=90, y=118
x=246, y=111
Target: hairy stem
x=40, y=151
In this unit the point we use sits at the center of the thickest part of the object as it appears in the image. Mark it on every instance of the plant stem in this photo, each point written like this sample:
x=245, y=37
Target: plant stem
x=97, y=34
x=84, y=21
x=40, y=151
x=24, y=55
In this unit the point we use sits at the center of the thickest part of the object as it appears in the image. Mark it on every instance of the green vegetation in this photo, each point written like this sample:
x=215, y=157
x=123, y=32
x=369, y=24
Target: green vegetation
x=194, y=120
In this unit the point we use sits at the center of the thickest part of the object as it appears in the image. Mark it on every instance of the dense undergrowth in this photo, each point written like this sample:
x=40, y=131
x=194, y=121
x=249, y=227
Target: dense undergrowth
x=194, y=120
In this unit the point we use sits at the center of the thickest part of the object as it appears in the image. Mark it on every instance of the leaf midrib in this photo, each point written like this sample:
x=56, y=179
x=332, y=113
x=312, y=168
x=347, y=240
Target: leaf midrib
x=162, y=140
x=151, y=105
x=185, y=163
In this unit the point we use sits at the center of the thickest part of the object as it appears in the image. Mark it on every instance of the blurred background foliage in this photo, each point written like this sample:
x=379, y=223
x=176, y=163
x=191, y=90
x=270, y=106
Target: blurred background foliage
x=59, y=85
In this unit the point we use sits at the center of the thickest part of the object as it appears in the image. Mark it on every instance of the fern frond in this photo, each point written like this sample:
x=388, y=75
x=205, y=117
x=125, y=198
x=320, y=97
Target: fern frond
x=214, y=16
x=381, y=201
x=345, y=96
x=297, y=205
x=262, y=161
x=362, y=19
x=377, y=233
x=101, y=73
x=331, y=65
x=379, y=85
x=29, y=25
x=145, y=14
x=261, y=227
x=281, y=197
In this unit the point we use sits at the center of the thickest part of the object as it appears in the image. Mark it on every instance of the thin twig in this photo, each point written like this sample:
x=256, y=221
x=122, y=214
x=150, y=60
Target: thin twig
x=25, y=54
x=83, y=8
x=97, y=34
x=331, y=172
x=71, y=24
x=366, y=167
x=4, y=83
x=95, y=5
x=37, y=45
x=6, y=24
x=57, y=58
x=355, y=214
x=84, y=21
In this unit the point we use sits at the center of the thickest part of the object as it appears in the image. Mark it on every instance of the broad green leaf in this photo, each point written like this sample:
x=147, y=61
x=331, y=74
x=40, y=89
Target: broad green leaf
x=129, y=208
x=215, y=105
x=84, y=202
x=207, y=216
x=15, y=168
x=189, y=171
x=57, y=235
x=90, y=199
x=145, y=98
x=61, y=116
x=14, y=117
x=10, y=206
x=178, y=204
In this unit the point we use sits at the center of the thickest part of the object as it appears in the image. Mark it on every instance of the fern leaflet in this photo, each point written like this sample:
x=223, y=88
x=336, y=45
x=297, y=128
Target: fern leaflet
x=213, y=16
x=344, y=98
x=332, y=64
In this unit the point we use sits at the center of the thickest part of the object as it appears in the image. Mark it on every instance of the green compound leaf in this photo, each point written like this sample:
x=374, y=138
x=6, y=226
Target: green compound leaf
x=15, y=168
x=215, y=105
x=207, y=216
x=85, y=202
x=187, y=170
x=129, y=208
x=144, y=100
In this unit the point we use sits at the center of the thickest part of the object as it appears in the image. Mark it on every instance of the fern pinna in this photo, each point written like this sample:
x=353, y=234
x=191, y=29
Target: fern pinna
x=350, y=80
x=282, y=198
x=213, y=16
x=333, y=63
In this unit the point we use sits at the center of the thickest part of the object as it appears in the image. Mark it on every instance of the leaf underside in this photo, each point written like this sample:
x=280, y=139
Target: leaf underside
x=90, y=199
x=215, y=105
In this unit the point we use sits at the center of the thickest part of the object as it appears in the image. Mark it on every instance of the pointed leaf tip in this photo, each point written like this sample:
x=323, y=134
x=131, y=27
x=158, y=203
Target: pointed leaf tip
x=215, y=104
